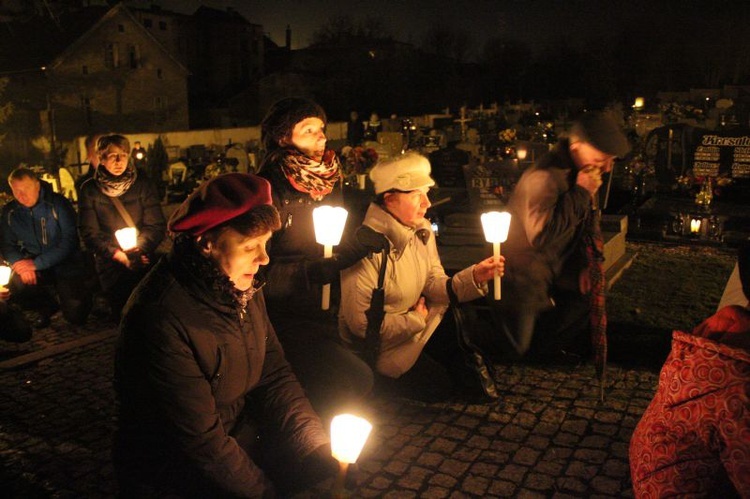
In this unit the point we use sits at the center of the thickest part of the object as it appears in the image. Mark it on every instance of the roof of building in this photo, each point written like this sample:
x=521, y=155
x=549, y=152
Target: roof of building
x=30, y=44
x=34, y=43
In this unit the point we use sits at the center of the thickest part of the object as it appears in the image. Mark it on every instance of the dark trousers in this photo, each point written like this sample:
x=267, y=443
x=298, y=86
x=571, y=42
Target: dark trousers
x=335, y=379
x=61, y=288
x=117, y=282
x=524, y=328
x=145, y=472
x=13, y=326
x=439, y=373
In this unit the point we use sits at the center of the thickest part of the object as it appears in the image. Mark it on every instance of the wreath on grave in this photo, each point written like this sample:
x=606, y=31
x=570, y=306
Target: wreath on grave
x=360, y=159
x=674, y=112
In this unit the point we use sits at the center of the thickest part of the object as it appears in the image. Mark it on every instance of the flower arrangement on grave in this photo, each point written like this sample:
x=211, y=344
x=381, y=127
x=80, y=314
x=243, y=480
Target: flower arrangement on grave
x=507, y=138
x=673, y=112
x=5, y=199
x=637, y=172
x=706, y=193
x=360, y=159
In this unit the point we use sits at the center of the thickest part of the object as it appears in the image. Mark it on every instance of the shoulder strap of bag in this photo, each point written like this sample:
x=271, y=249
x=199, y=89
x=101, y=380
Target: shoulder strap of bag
x=123, y=212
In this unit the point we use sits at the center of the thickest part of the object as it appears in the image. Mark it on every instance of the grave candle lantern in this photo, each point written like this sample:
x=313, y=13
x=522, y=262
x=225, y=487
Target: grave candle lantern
x=496, y=225
x=348, y=435
x=521, y=153
x=329, y=225
x=4, y=275
x=695, y=225
x=127, y=238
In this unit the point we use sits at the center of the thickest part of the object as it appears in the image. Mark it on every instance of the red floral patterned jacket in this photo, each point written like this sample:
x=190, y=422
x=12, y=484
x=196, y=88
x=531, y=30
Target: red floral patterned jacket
x=694, y=438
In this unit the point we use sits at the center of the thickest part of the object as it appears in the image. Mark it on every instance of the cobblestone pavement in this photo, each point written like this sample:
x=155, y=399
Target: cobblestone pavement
x=548, y=436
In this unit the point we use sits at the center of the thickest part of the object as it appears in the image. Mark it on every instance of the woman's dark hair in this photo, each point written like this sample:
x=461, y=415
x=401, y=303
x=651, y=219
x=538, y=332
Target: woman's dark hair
x=278, y=124
x=259, y=220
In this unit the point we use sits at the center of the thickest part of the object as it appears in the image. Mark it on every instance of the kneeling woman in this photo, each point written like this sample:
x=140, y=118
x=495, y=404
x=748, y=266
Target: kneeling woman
x=199, y=370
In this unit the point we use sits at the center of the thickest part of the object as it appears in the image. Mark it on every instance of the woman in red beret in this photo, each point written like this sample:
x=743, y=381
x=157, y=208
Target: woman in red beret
x=118, y=196
x=304, y=175
x=208, y=405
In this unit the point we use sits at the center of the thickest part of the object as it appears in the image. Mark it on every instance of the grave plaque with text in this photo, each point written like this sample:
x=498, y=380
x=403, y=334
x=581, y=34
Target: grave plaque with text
x=489, y=184
x=723, y=153
x=447, y=166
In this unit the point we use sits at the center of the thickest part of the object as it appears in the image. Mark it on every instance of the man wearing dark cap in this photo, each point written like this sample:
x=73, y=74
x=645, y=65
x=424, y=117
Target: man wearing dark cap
x=553, y=289
x=208, y=404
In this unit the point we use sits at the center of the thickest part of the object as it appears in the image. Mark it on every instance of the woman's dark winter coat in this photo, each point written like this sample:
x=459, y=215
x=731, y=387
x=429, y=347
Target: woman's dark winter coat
x=99, y=219
x=191, y=364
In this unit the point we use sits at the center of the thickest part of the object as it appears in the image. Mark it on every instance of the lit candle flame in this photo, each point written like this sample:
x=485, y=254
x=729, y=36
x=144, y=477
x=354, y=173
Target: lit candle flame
x=496, y=226
x=127, y=238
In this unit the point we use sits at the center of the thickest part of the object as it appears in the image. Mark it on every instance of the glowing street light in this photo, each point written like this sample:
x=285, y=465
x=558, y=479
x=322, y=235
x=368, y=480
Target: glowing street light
x=496, y=225
x=329, y=224
x=348, y=435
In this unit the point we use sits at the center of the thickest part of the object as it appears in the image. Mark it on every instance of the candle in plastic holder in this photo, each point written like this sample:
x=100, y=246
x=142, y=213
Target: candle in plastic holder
x=496, y=225
x=5, y=272
x=329, y=224
x=348, y=436
x=127, y=238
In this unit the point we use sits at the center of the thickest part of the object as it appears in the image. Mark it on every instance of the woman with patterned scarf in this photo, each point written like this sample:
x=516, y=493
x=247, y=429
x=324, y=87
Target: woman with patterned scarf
x=303, y=175
x=118, y=196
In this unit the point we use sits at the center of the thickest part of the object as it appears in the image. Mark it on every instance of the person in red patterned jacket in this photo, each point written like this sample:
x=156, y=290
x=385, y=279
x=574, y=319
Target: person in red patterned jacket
x=694, y=438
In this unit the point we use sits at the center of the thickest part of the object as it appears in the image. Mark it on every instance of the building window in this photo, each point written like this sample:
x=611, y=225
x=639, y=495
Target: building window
x=85, y=69
x=147, y=23
x=121, y=28
x=88, y=111
x=133, y=56
x=159, y=74
x=111, y=55
x=163, y=25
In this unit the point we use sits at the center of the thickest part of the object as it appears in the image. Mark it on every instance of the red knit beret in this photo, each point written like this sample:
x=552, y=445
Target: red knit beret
x=219, y=200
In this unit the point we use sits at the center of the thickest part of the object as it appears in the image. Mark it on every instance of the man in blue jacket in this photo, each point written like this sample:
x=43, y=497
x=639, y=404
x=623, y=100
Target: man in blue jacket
x=40, y=241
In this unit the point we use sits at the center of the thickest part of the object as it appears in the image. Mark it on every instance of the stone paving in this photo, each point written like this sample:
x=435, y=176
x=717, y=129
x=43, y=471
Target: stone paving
x=548, y=436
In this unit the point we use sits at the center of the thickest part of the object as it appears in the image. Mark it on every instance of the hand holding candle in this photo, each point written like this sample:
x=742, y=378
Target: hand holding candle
x=496, y=225
x=348, y=435
x=329, y=224
x=127, y=238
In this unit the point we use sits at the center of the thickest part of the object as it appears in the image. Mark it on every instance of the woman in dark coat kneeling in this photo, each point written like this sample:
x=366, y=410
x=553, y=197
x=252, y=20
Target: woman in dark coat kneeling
x=208, y=405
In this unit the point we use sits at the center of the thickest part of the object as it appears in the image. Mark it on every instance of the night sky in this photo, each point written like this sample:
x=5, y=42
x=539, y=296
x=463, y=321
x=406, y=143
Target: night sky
x=537, y=22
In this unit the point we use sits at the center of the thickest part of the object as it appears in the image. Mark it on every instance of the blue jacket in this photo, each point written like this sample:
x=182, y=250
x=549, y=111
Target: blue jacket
x=46, y=232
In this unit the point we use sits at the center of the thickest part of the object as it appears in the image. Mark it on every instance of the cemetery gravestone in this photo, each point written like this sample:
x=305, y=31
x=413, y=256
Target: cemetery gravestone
x=447, y=166
x=720, y=153
x=489, y=184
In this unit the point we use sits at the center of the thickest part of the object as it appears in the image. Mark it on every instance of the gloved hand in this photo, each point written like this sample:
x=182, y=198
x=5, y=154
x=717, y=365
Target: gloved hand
x=346, y=254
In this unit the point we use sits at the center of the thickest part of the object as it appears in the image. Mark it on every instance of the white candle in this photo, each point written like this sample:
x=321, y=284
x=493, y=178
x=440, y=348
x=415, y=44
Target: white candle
x=496, y=225
x=348, y=435
x=329, y=224
x=4, y=275
x=127, y=238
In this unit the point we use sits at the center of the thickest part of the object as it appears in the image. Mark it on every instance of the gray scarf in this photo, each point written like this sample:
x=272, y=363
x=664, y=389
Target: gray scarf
x=115, y=186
